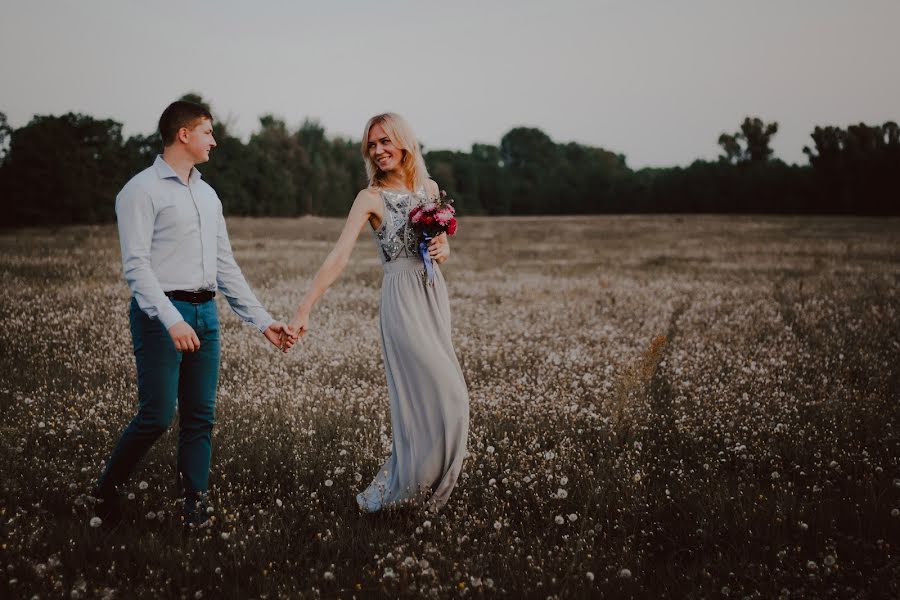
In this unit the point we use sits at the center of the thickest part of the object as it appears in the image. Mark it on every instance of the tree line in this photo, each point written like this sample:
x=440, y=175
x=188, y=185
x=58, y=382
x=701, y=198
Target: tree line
x=69, y=168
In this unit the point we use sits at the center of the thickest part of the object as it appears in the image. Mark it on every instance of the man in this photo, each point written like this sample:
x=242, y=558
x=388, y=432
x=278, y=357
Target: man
x=175, y=256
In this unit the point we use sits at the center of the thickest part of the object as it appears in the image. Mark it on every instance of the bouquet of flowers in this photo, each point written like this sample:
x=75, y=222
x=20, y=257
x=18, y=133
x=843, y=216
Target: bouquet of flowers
x=432, y=218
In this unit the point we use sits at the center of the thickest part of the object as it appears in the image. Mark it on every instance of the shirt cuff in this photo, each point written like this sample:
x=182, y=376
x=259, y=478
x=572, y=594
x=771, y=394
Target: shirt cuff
x=169, y=315
x=263, y=322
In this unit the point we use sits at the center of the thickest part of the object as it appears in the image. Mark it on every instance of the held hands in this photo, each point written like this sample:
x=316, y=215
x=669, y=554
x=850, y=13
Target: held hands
x=280, y=335
x=299, y=326
x=439, y=248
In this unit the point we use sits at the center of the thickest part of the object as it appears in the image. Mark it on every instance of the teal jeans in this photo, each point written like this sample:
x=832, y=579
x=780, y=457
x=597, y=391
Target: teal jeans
x=167, y=378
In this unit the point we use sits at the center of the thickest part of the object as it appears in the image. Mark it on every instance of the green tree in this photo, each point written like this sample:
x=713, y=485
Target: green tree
x=457, y=174
x=276, y=156
x=758, y=136
x=491, y=182
x=333, y=172
x=750, y=144
x=64, y=169
x=857, y=170
x=731, y=145
x=228, y=171
x=532, y=161
x=197, y=99
x=343, y=176
x=5, y=133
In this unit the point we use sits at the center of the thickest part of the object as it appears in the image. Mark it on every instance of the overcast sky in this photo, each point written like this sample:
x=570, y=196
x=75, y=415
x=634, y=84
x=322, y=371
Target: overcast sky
x=657, y=81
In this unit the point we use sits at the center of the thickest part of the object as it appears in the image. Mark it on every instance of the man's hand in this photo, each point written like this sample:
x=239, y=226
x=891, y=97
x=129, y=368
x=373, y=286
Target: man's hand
x=280, y=335
x=439, y=248
x=185, y=338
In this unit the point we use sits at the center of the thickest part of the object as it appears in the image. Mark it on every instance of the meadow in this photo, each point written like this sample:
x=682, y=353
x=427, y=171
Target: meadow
x=661, y=406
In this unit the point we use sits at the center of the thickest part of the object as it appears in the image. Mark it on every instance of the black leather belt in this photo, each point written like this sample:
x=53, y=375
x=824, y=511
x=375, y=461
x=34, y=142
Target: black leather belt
x=192, y=297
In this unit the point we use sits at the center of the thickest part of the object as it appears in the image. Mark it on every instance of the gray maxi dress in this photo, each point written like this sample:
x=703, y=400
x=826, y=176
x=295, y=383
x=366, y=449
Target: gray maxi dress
x=427, y=391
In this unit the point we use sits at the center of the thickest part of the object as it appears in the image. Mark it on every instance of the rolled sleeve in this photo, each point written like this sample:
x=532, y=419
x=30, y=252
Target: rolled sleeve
x=233, y=286
x=135, y=218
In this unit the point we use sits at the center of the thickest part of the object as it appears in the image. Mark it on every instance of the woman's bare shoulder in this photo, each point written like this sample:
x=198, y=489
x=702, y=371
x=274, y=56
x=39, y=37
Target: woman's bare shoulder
x=432, y=188
x=369, y=194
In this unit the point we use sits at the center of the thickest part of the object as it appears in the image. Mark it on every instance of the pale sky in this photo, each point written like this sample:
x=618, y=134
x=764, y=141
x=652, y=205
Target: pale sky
x=655, y=80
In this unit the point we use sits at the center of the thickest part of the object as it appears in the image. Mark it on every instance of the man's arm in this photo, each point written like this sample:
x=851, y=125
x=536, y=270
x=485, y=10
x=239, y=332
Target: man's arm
x=135, y=217
x=234, y=287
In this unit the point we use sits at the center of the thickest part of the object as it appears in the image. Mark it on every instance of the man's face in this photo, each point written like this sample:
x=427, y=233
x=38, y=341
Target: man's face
x=199, y=140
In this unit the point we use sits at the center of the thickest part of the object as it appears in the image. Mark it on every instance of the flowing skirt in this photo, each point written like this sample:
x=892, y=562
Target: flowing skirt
x=428, y=395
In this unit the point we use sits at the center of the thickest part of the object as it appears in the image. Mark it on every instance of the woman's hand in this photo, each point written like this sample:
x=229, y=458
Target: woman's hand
x=439, y=248
x=299, y=325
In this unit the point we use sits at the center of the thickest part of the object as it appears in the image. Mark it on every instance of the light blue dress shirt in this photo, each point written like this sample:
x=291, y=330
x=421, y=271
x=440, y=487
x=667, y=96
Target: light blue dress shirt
x=173, y=237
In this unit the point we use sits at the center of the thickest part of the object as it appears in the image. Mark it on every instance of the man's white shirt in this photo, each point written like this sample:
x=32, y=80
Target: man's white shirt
x=173, y=237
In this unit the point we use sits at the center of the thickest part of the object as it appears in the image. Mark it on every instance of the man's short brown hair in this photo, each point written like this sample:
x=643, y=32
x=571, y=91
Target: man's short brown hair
x=180, y=113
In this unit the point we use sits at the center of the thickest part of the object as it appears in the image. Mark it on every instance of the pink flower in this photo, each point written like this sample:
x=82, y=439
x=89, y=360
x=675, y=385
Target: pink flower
x=434, y=217
x=443, y=216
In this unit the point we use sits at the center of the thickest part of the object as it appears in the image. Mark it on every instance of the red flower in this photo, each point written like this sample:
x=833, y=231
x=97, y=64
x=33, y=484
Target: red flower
x=451, y=227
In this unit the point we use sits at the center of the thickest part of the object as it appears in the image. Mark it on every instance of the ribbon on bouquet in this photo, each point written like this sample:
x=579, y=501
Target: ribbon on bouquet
x=426, y=258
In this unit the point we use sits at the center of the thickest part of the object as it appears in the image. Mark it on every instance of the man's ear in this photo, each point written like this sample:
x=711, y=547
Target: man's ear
x=183, y=135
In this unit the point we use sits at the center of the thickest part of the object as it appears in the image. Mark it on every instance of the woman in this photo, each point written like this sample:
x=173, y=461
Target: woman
x=428, y=395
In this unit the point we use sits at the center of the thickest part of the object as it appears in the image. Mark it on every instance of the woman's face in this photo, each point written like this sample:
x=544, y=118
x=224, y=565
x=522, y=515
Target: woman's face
x=382, y=150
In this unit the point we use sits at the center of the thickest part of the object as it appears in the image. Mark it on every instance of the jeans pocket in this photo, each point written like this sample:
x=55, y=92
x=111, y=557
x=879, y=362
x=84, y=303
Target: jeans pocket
x=209, y=321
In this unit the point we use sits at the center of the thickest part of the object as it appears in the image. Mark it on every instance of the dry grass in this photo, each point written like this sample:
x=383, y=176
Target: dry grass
x=661, y=406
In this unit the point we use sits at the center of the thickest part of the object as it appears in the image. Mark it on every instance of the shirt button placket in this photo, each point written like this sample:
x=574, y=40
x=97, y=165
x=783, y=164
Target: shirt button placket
x=200, y=228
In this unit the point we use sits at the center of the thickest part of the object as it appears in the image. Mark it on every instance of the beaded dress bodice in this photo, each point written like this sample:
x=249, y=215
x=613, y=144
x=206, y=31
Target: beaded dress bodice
x=396, y=238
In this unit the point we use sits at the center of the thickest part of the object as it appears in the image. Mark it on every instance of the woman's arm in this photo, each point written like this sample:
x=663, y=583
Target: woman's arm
x=367, y=203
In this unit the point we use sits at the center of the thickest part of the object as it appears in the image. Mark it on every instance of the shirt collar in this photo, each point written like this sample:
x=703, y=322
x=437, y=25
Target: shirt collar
x=165, y=171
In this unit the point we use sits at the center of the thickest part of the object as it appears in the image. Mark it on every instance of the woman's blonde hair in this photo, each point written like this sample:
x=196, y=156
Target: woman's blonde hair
x=402, y=136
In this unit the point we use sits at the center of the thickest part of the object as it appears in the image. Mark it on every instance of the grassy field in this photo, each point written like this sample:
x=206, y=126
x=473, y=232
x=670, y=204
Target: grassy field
x=691, y=407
